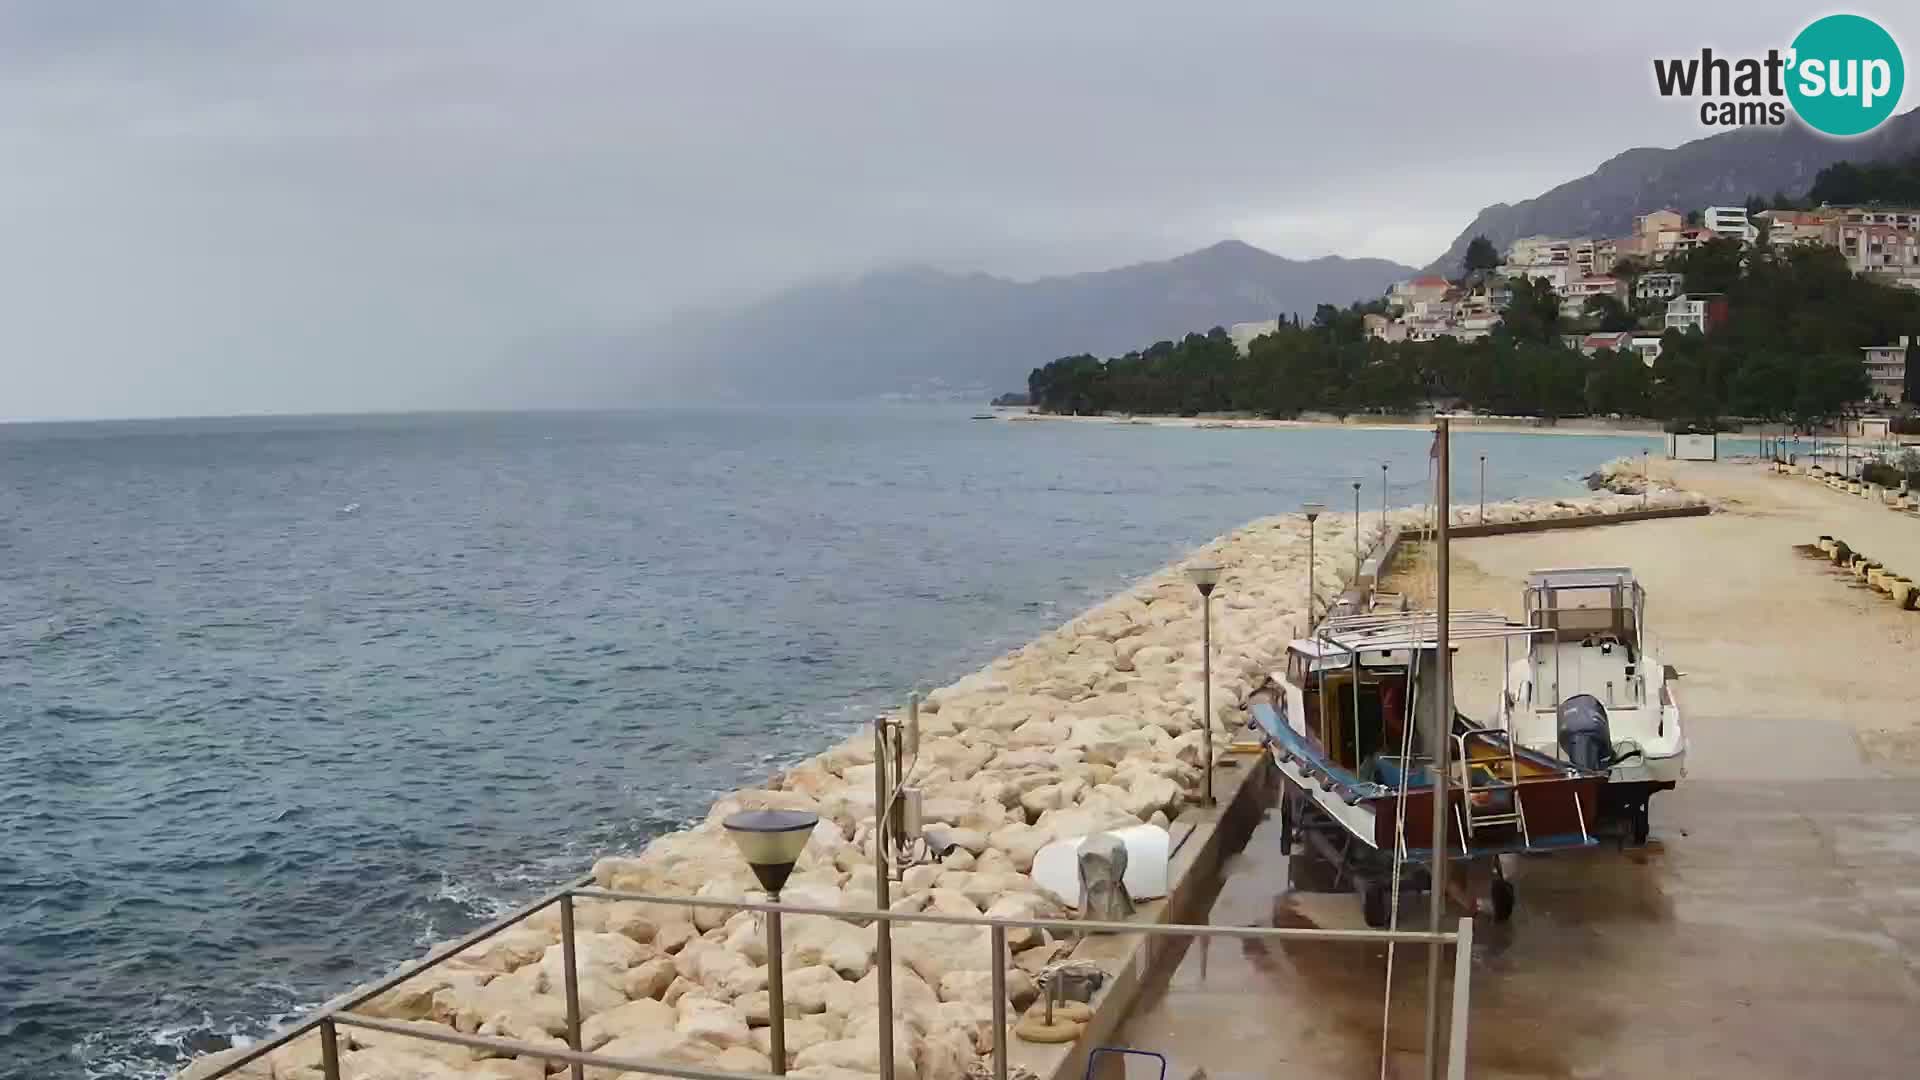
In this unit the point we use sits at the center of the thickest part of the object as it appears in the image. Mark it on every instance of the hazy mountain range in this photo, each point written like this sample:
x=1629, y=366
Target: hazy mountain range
x=925, y=331
x=1722, y=169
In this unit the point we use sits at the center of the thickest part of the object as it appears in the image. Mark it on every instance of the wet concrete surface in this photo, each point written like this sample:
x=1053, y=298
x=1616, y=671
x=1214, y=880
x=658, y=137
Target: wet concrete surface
x=1766, y=931
x=1771, y=928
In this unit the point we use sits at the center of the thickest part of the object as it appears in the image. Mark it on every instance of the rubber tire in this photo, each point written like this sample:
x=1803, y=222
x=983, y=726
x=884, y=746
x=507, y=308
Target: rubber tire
x=1376, y=906
x=1504, y=898
x=1286, y=824
x=1641, y=826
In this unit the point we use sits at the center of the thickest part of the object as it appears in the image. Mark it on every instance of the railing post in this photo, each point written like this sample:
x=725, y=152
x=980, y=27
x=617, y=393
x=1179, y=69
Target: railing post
x=999, y=1002
x=882, y=927
x=329, y=1050
x=776, y=995
x=572, y=974
x=1462, y=986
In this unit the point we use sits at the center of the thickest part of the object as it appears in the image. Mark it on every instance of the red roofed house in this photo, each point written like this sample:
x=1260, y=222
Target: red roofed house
x=1425, y=289
x=1620, y=342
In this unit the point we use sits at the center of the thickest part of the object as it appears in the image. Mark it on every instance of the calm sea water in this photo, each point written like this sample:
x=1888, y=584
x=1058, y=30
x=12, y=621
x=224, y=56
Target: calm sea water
x=282, y=701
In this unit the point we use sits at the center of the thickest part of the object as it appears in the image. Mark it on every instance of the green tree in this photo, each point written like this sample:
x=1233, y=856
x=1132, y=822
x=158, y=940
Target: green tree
x=1481, y=255
x=1609, y=314
x=1845, y=182
x=1912, y=387
x=1617, y=382
x=1828, y=384
x=1533, y=313
x=1714, y=266
x=1789, y=349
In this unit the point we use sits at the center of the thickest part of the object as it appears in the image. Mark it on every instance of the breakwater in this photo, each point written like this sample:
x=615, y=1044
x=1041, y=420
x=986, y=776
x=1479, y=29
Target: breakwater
x=1094, y=725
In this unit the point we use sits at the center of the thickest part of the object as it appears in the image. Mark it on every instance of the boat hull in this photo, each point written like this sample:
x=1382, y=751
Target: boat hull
x=1560, y=809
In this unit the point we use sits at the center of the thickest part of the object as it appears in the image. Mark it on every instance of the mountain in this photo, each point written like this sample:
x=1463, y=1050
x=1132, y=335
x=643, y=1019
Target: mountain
x=1721, y=169
x=925, y=331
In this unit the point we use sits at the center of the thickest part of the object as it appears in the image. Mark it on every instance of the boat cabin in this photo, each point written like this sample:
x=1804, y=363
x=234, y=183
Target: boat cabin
x=1354, y=703
x=1589, y=624
x=1356, y=690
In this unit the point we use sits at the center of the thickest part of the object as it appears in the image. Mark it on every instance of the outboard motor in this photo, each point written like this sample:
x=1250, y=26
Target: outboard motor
x=1584, y=734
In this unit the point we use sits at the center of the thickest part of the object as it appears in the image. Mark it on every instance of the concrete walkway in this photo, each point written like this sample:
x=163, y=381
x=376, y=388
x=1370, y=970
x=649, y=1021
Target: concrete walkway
x=1772, y=927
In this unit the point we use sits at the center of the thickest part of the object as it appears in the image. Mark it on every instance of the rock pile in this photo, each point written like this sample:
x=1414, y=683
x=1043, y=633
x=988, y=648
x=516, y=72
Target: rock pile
x=1628, y=476
x=1095, y=725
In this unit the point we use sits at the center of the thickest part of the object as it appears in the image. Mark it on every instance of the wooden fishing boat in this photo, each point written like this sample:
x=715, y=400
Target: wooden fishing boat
x=1349, y=724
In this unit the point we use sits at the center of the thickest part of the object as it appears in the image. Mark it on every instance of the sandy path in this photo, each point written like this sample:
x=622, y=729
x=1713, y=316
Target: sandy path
x=1791, y=671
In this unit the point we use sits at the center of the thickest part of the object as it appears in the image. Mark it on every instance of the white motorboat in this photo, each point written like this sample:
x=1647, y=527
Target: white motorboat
x=1592, y=692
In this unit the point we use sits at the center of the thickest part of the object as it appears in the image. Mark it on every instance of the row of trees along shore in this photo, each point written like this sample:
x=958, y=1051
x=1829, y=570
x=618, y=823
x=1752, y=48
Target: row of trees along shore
x=1788, y=352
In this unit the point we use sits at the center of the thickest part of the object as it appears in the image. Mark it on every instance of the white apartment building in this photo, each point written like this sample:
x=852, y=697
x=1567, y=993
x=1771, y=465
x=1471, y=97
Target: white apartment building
x=1887, y=369
x=1554, y=274
x=1789, y=228
x=1696, y=311
x=1728, y=222
x=1540, y=251
x=1594, y=257
x=1877, y=240
x=1381, y=328
x=1659, y=285
x=1577, y=292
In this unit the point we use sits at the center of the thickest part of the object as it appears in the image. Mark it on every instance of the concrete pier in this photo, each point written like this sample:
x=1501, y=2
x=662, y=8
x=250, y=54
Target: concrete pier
x=1772, y=926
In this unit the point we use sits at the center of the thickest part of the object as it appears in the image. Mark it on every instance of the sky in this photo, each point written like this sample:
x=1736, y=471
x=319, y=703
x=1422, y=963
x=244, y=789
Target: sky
x=235, y=206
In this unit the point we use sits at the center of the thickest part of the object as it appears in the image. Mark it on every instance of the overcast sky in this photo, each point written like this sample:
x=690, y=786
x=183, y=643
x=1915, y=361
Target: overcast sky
x=216, y=206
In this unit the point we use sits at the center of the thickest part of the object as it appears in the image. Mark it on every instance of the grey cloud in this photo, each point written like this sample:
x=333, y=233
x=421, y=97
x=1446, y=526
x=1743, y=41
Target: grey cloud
x=235, y=206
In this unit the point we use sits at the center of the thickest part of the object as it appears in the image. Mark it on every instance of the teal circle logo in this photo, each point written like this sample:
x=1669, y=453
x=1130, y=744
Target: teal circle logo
x=1846, y=75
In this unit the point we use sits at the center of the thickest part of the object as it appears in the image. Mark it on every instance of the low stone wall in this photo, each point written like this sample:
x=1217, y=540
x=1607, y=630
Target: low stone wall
x=1092, y=726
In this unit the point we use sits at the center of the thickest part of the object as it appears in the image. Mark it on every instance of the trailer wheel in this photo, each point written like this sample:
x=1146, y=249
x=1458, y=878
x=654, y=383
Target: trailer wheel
x=1503, y=899
x=1375, y=906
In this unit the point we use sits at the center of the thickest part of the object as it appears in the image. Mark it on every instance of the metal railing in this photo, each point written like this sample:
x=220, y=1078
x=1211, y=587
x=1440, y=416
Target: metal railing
x=340, y=1012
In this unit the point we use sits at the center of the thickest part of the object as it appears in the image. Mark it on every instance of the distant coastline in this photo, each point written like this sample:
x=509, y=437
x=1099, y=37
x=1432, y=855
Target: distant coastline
x=1514, y=425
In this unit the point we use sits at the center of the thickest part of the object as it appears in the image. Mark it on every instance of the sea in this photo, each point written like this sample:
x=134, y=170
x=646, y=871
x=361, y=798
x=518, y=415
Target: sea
x=285, y=700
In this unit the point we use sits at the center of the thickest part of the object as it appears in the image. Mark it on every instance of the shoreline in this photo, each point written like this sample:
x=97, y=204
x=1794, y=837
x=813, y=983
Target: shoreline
x=1093, y=725
x=1461, y=424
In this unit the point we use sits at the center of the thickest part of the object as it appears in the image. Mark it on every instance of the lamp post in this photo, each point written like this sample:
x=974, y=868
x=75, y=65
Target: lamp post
x=1312, y=510
x=1645, y=484
x=1205, y=578
x=1356, y=529
x=1383, y=498
x=772, y=841
x=1483, y=489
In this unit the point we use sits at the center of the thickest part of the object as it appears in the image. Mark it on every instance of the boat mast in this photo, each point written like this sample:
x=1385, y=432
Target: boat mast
x=1442, y=728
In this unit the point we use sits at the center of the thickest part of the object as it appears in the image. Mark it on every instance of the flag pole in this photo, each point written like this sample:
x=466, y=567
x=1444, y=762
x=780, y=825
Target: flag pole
x=1442, y=729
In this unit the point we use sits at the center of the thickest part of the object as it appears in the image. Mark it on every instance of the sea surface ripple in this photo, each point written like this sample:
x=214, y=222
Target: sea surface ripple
x=284, y=700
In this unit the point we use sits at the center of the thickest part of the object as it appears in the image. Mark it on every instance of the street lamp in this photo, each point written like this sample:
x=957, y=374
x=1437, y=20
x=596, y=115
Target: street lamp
x=1312, y=510
x=1356, y=529
x=1383, y=498
x=1205, y=578
x=1483, y=489
x=772, y=841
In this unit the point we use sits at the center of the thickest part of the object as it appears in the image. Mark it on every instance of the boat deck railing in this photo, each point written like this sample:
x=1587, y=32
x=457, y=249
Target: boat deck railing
x=340, y=1012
